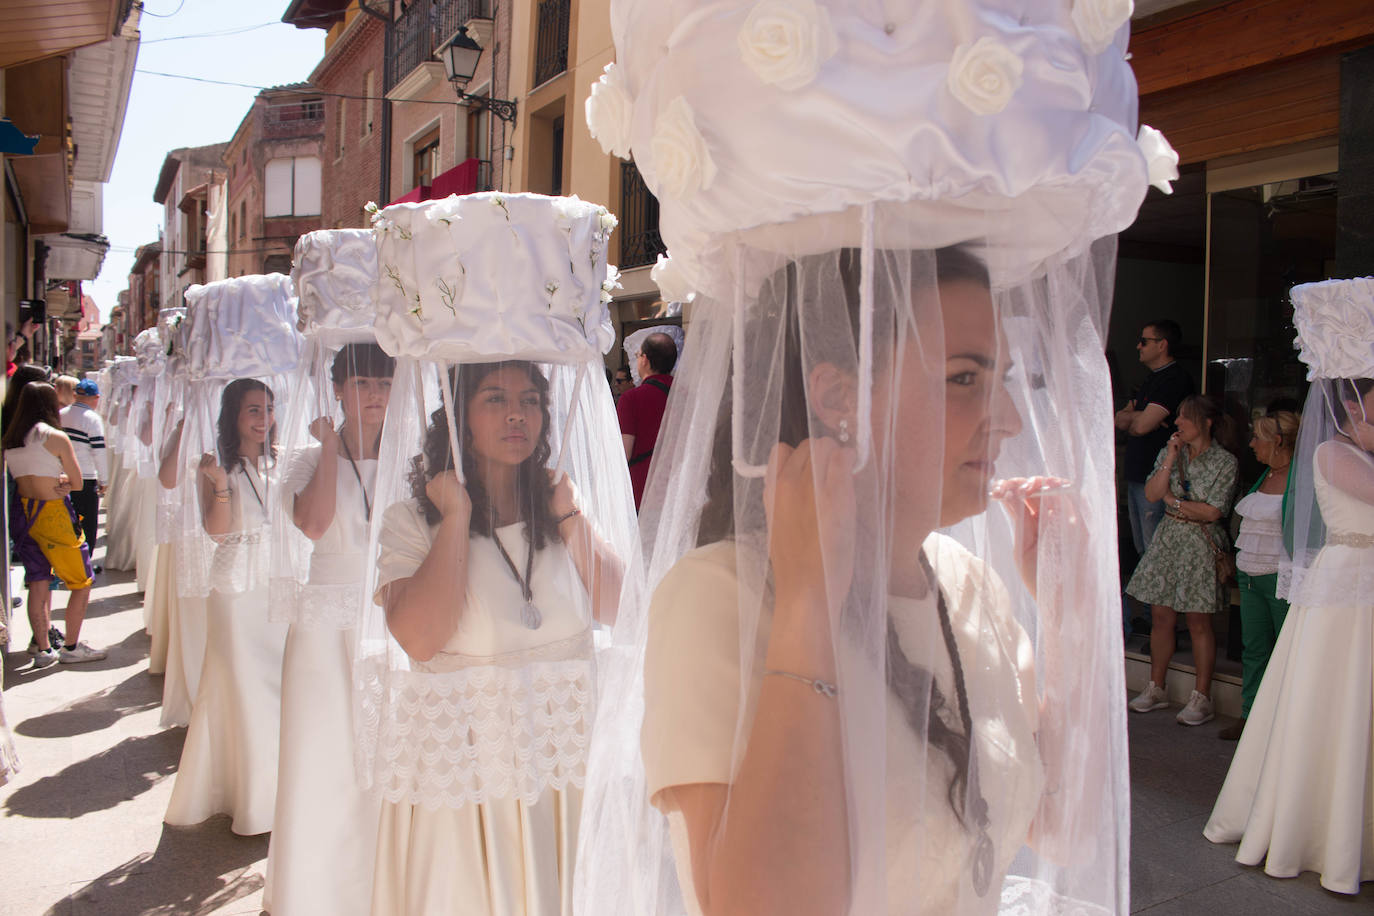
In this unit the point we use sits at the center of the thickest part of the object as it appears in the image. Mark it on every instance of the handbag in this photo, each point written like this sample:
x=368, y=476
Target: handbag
x=1223, y=558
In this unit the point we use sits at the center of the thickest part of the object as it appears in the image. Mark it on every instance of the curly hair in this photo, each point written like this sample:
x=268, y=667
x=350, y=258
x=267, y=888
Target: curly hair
x=227, y=426
x=532, y=480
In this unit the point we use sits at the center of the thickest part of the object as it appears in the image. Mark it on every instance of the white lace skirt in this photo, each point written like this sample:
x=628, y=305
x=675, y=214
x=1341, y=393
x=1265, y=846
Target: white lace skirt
x=229, y=763
x=499, y=858
x=324, y=837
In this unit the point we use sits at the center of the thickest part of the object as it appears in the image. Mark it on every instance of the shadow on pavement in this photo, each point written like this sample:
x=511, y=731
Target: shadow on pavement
x=95, y=711
x=193, y=871
x=102, y=781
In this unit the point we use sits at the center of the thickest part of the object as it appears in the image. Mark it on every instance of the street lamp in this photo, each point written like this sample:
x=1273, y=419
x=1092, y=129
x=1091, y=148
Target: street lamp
x=460, y=54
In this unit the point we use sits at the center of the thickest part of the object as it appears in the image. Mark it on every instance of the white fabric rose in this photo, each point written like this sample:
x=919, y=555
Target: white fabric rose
x=984, y=75
x=1098, y=21
x=681, y=160
x=609, y=110
x=1335, y=324
x=671, y=283
x=1160, y=157
x=785, y=41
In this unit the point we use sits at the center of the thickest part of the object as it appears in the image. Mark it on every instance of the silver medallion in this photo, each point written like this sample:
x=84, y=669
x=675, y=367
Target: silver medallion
x=530, y=616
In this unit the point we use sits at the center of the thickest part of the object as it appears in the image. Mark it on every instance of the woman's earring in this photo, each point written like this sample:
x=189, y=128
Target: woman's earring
x=844, y=431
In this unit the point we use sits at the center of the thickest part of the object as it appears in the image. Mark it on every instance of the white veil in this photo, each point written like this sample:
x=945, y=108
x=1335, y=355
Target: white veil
x=1328, y=564
x=240, y=334
x=879, y=672
x=472, y=287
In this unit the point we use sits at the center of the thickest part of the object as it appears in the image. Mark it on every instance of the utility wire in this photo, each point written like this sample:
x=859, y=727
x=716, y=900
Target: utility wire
x=313, y=93
x=143, y=10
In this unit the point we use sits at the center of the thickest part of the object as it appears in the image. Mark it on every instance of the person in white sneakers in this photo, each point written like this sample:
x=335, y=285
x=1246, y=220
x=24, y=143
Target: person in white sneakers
x=84, y=428
x=1195, y=475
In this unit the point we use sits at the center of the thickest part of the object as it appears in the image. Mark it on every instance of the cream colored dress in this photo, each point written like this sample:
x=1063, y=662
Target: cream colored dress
x=692, y=686
x=503, y=856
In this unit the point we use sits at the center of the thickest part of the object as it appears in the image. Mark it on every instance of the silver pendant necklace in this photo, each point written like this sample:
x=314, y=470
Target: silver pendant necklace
x=529, y=614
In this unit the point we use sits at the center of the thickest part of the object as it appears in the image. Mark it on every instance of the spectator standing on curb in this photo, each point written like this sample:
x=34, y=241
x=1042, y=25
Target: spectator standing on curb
x=66, y=390
x=81, y=422
x=640, y=410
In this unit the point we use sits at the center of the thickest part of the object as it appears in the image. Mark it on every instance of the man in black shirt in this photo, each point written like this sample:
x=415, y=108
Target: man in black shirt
x=1148, y=422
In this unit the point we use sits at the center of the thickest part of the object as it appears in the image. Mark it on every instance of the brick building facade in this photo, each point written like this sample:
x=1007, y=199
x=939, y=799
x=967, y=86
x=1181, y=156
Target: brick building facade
x=350, y=76
x=275, y=176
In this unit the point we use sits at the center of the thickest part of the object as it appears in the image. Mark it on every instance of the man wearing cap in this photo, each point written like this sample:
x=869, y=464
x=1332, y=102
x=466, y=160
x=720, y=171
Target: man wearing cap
x=83, y=426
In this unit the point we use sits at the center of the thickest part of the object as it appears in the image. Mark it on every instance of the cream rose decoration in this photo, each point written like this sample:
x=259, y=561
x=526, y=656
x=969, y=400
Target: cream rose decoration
x=672, y=284
x=609, y=110
x=1335, y=325
x=785, y=41
x=1160, y=157
x=1097, y=21
x=984, y=75
x=681, y=160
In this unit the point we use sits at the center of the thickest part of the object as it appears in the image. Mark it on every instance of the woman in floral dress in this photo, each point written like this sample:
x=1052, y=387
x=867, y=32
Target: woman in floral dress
x=1196, y=478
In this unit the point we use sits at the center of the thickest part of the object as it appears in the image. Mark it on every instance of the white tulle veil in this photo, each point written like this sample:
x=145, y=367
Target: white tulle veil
x=880, y=672
x=471, y=288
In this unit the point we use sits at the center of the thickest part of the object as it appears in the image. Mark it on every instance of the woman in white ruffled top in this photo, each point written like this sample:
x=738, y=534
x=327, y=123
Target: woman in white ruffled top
x=1259, y=545
x=490, y=584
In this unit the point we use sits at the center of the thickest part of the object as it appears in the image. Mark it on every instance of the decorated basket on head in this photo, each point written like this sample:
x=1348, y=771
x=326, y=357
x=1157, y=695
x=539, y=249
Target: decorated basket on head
x=880, y=672
x=241, y=346
x=503, y=524
x=1328, y=539
x=330, y=434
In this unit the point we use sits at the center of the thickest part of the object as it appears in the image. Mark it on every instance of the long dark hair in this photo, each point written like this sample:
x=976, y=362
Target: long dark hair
x=532, y=478
x=361, y=359
x=22, y=377
x=914, y=686
x=37, y=404
x=227, y=426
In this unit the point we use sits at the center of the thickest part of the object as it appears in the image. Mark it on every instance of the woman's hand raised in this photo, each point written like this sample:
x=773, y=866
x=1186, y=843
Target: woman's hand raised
x=809, y=498
x=563, y=499
x=449, y=496
x=210, y=469
x=322, y=428
x=1033, y=502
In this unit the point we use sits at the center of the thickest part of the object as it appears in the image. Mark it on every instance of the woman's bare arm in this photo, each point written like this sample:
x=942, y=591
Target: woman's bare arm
x=171, y=454
x=312, y=509
x=422, y=611
x=601, y=571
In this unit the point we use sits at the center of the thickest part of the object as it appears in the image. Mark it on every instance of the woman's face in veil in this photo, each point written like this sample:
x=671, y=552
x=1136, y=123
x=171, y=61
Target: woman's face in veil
x=978, y=412
x=363, y=399
x=505, y=416
x=256, y=418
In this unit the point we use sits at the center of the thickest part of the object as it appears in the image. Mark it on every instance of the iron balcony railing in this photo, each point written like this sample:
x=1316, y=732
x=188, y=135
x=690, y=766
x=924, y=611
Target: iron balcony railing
x=640, y=243
x=551, y=41
x=425, y=26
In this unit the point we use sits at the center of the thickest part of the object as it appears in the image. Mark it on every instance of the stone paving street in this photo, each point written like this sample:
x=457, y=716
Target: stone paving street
x=82, y=832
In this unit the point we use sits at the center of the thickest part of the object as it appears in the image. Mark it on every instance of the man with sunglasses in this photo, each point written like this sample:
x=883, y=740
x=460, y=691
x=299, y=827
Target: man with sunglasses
x=1148, y=421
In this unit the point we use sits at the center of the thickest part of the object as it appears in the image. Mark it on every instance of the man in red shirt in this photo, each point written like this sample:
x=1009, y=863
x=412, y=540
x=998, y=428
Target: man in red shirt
x=640, y=410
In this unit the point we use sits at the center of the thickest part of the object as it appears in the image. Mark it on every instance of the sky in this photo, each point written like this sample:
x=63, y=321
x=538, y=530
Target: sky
x=241, y=41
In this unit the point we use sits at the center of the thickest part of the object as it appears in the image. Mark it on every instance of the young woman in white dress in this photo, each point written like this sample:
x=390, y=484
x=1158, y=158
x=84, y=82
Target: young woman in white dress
x=1299, y=795
x=229, y=762
x=496, y=576
x=325, y=831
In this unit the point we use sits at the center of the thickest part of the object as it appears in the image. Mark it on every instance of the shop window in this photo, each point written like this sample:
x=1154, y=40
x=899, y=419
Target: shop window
x=425, y=158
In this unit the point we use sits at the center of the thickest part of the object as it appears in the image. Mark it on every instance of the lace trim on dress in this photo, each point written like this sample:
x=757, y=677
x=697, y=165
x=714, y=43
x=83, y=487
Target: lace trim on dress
x=314, y=606
x=468, y=730
x=1029, y=897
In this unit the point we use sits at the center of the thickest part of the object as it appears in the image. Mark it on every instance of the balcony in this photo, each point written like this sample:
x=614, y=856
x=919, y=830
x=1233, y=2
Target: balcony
x=467, y=177
x=287, y=119
x=551, y=43
x=640, y=243
x=425, y=26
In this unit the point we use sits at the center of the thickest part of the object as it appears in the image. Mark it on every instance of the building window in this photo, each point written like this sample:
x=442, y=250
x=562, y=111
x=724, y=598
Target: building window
x=369, y=90
x=551, y=39
x=640, y=242
x=277, y=264
x=556, y=178
x=233, y=226
x=425, y=162
x=243, y=219
x=341, y=128
x=292, y=187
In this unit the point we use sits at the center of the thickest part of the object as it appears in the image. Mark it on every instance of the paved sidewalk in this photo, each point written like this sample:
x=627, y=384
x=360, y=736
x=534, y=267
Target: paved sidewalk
x=82, y=833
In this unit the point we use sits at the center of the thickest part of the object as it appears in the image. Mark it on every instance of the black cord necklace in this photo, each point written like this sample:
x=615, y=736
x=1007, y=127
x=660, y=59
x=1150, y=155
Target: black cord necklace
x=367, y=503
x=243, y=464
x=529, y=614
x=984, y=853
